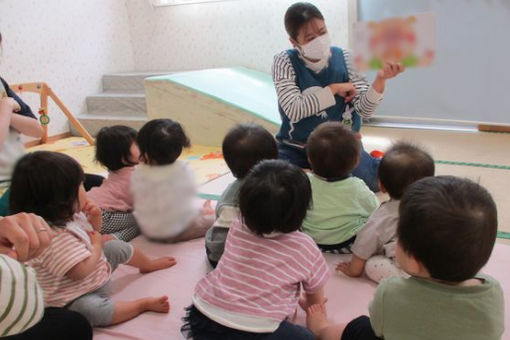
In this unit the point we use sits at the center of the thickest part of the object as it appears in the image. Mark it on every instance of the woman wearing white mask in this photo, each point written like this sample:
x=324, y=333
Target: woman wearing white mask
x=316, y=82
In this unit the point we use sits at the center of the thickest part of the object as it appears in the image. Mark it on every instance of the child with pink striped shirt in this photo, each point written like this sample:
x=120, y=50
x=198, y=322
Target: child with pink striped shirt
x=255, y=289
x=74, y=270
x=116, y=149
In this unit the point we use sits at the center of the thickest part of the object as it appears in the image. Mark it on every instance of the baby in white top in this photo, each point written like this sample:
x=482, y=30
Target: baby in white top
x=164, y=189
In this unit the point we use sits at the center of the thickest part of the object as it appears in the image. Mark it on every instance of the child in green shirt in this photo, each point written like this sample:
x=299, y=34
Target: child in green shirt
x=446, y=234
x=341, y=203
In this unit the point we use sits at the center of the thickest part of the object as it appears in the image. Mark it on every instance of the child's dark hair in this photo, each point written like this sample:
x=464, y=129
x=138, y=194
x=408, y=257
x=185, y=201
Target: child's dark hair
x=161, y=141
x=46, y=184
x=402, y=165
x=449, y=225
x=274, y=197
x=333, y=150
x=298, y=15
x=113, y=146
x=245, y=145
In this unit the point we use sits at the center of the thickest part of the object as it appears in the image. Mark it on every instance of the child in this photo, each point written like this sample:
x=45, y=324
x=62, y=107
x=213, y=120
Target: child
x=402, y=165
x=164, y=188
x=341, y=203
x=244, y=146
x=116, y=149
x=446, y=233
x=75, y=269
x=254, y=290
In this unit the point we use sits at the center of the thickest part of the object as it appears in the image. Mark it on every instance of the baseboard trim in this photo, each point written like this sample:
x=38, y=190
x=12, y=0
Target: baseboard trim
x=494, y=128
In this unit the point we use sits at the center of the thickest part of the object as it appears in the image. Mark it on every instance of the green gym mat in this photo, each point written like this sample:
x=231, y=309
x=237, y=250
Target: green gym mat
x=478, y=165
x=503, y=234
x=242, y=88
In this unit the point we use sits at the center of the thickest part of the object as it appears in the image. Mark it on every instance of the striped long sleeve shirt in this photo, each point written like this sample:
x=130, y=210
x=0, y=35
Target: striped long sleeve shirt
x=298, y=105
x=21, y=298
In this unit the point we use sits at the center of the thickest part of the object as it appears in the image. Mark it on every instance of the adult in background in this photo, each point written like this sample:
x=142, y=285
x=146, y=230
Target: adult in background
x=316, y=82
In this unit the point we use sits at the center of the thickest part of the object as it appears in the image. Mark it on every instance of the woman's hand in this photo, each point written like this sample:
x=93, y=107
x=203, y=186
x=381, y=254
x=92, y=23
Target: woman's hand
x=24, y=236
x=390, y=70
x=346, y=90
x=8, y=104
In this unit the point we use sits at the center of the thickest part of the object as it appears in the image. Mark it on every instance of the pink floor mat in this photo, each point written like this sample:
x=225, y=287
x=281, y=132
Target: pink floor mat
x=348, y=297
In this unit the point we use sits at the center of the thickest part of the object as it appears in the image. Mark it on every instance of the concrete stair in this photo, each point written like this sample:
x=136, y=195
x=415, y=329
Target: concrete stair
x=121, y=102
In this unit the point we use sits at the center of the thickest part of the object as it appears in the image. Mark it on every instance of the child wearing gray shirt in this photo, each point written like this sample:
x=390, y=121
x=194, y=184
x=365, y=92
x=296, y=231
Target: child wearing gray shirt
x=243, y=147
x=374, y=247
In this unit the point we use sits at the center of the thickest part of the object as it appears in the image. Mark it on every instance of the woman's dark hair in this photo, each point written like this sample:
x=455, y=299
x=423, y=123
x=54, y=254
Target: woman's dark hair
x=113, y=146
x=245, y=145
x=333, y=150
x=449, y=225
x=161, y=141
x=46, y=184
x=402, y=165
x=298, y=15
x=275, y=196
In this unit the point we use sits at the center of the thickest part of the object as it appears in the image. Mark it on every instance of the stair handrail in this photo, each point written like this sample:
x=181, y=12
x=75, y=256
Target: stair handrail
x=44, y=92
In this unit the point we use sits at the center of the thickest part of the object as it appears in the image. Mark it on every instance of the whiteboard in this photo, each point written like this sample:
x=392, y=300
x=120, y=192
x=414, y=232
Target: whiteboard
x=470, y=80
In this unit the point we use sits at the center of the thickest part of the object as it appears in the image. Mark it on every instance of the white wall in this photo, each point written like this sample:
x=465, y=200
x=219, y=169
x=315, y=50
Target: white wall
x=68, y=44
x=216, y=34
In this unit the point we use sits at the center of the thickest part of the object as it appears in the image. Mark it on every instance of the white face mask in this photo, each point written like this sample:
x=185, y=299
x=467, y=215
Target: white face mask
x=318, y=48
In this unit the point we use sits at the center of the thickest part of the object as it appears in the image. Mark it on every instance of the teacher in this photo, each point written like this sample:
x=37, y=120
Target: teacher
x=316, y=83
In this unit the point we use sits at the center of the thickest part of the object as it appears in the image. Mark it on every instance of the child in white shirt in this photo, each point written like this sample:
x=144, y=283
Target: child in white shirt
x=164, y=188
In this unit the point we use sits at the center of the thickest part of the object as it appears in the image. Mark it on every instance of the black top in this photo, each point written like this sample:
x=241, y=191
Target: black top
x=25, y=109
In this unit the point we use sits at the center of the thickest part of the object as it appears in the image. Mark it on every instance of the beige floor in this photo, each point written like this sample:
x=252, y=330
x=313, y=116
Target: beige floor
x=473, y=147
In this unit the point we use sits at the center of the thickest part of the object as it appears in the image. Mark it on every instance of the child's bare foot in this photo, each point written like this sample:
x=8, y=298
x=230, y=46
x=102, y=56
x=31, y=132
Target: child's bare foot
x=157, y=264
x=316, y=319
x=157, y=304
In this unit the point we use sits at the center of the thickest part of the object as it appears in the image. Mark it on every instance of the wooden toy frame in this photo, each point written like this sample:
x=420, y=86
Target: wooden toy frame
x=44, y=92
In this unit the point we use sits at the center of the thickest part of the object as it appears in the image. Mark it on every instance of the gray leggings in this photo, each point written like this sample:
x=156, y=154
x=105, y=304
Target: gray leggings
x=121, y=224
x=96, y=306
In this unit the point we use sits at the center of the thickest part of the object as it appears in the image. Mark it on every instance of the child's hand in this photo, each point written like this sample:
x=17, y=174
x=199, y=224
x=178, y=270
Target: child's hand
x=94, y=215
x=207, y=208
x=107, y=238
x=95, y=238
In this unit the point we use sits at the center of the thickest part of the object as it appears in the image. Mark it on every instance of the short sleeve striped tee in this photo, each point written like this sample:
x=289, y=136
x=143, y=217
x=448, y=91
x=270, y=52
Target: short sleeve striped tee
x=69, y=246
x=21, y=298
x=261, y=276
